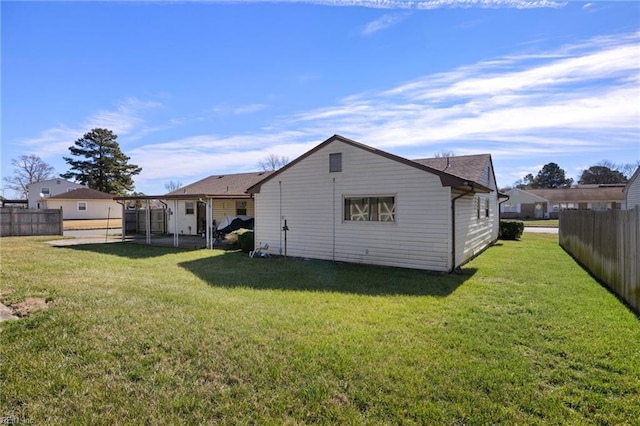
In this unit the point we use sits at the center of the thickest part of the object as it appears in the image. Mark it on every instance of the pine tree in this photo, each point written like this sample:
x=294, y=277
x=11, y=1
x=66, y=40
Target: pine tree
x=105, y=167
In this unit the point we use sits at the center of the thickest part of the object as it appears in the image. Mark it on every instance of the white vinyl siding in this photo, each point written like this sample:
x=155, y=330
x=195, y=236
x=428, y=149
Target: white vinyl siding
x=94, y=209
x=632, y=191
x=50, y=188
x=221, y=209
x=311, y=199
x=474, y=229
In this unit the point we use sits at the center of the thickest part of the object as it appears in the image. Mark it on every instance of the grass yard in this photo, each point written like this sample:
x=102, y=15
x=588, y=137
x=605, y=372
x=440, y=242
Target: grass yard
x=149, y=335
x=542, y=223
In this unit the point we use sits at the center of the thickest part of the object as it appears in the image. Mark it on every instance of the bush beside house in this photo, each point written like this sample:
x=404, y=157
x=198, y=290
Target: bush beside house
x=511, y=229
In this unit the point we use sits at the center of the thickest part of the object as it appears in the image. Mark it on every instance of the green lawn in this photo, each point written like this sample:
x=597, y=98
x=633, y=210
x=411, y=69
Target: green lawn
x=542, y=223
x=149, y=335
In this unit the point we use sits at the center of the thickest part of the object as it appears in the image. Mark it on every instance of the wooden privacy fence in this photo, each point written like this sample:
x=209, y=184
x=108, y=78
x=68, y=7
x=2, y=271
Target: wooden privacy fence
x=607, y=243
x=135, y=221
x=23, y=222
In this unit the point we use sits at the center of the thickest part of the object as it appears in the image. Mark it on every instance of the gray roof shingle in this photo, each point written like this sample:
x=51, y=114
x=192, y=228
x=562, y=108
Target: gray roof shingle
x=83, y=194
x=235, y=184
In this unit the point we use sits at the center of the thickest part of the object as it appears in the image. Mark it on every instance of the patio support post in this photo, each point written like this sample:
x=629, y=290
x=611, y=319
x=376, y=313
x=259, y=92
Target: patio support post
x=209, y=222
x=124, y=220
x=148, y=222
x=176, y=243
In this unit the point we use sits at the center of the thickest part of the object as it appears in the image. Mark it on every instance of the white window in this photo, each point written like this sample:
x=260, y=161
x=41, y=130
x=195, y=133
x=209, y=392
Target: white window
x=486, y=207
x=478, y=207
x=371, y=209
x=335, y=163
x=82, y=206
x=241, y=208
x=45, y=191
x=510, y=207
x=189, y=207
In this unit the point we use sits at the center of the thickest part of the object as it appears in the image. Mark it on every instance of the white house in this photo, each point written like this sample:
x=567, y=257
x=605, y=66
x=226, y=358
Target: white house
x=38, y=192
x=346, y=201
x=546, y=203
x=632, y=191
x=224, y=196
x=84, y=203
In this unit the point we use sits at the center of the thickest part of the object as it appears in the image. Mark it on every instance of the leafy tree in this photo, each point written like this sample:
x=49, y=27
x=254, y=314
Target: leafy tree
x=551, y=176
x=105, y=167
x=28, y=169
x=526, y=182
x=273, y=162
x=601, y=175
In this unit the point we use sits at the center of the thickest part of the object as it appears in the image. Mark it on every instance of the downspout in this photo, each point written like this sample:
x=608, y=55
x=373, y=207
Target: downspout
x=453, y=227
x=500, y=202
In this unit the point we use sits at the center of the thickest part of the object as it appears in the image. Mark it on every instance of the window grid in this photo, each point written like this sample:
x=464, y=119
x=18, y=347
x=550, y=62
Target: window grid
x=369, y=209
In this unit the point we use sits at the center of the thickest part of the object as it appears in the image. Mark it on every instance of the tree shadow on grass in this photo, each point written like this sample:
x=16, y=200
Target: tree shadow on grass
x=233, y=270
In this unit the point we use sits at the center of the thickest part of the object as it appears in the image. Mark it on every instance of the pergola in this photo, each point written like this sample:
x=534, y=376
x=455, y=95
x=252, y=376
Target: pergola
x=171, y=203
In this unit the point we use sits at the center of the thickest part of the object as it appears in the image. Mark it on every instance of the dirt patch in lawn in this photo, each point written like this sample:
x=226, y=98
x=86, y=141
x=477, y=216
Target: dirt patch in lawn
x=29, y=306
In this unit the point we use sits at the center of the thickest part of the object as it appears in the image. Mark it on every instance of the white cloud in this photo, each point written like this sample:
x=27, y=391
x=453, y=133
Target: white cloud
x=414, y=4
x=383, y=22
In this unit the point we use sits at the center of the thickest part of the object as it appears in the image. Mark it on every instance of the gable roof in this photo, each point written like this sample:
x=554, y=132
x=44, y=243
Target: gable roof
x=231, y=185
x=446, y=178
x=584, y=195
x=82, y=194
x=517, y=195
x=470, y=167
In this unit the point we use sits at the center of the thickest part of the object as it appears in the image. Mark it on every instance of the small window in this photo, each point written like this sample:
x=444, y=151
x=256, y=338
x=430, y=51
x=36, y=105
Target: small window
x=486, y=207
x=241, y=208
x=189, y=207
x=478, y=207
x=45, y=191
x=370, y=209
x=82, y=206
x=335, y=162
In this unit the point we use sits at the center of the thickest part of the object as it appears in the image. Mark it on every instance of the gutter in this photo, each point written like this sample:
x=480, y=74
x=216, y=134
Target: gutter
x=453, y=226
x=506, y=198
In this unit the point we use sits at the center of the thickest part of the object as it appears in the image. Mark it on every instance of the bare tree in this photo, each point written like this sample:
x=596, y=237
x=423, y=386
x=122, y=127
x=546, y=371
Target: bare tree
x=28, y=169
x=172, y=186
x=444, y=154
x=273, y=162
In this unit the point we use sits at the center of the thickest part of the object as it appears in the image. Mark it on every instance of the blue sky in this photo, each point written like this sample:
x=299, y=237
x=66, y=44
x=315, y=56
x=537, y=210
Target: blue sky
x=195, y=88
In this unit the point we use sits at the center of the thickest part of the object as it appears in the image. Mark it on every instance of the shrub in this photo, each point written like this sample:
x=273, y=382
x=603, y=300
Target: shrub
x=246, y=241
x=511, y=229
x=240, y=239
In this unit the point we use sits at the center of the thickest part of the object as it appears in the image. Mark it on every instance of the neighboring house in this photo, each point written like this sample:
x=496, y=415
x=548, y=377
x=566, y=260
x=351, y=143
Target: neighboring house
x=632, y=191
x=225, y=194
x=523, y=204
x=40, y=191
x=546, y=203
x=84, y=203
x=345, y=201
